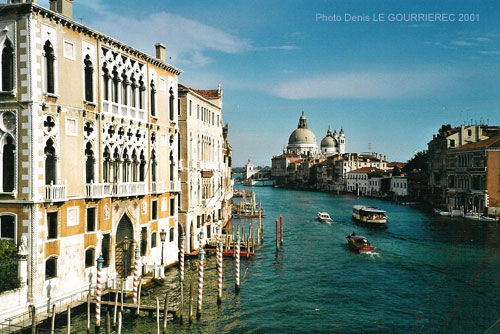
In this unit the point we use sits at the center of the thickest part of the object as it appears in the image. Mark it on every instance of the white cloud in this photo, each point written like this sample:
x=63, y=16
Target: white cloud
x=462, y=43
x=367, y=85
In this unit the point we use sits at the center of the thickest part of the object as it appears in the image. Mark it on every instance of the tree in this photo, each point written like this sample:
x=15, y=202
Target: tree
x=419, y=162
x=9, y=258
x=396, y=171
x=376, y=173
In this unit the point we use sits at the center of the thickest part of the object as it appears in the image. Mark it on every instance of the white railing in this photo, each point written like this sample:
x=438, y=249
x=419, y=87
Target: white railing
x=157, y=187
x=55, y=192
x=130, y=189
x=98, y=190
x=174, y=186
x=123, y=110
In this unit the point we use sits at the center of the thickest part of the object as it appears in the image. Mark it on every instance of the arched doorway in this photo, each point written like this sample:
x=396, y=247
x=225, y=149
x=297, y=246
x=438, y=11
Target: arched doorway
x=123, y=257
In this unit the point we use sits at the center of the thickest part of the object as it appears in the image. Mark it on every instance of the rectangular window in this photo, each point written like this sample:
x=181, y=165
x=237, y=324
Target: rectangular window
x=144, y=241
x=71, y=126
x=90, y=219
x=106, y=241
x=452, y=142
x=190, y=107
x=153, y=240
x=179, y=107
x=7, y=227
x=172, y=206
x=154, y=210
x=51, y=225
x=89, y=258
x=198, y=111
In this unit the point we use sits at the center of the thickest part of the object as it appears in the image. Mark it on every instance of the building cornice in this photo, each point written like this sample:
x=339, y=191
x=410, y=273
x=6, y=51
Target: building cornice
x=76, y=26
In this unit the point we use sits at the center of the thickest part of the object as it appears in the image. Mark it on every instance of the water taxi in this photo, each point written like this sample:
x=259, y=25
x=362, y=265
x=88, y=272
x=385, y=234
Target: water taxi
x=369, y=214
x=324, y=217
x=358, y=243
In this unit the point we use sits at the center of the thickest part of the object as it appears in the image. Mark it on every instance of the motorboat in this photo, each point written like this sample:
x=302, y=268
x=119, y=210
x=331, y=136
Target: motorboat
x=442, y=212
x=369, y=214
x=324, y=217
x=359, y=243
x=488, y=219
x=472, y=216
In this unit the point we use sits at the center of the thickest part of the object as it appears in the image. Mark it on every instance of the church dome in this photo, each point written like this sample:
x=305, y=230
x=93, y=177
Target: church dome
x=302, y=135
x=328, y=141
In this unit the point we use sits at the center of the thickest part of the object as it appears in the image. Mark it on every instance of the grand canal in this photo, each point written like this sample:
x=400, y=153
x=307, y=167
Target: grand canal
x=429, y=275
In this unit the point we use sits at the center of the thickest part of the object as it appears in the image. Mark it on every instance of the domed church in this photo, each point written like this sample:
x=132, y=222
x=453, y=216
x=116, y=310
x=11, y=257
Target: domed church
x=302, y=141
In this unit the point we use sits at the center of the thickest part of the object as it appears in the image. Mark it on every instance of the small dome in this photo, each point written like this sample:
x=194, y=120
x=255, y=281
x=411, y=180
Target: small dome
x=328, y=141
x=302, y=136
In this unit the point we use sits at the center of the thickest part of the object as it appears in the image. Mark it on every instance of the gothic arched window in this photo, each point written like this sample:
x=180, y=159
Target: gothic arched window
x=125, y=84
x=106, y=166
x=142, y=167
x=50, y=162
x=171, y=166
x=153, y=167
x=171, y=104
x=7, y=66
x=89, y=164
x=135, y=165
x=8, y=165
x=89, y=79
x=153, y=99
x=116, y=165
x=142, y=89
x=133, y=91
x=49, y=67
x=105, y=80
x=114, y=86
x=125, y=167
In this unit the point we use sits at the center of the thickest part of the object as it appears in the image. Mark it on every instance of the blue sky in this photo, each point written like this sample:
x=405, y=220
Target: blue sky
x=390, y=84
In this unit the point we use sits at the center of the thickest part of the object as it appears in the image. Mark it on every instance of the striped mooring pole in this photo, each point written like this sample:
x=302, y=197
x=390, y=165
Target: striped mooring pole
x=237, y=261
x=181, y=260
x=277, y=235
x=136, y=274
x=100, y=261
x=200, y=282
x=219, y=272
x=281, y=230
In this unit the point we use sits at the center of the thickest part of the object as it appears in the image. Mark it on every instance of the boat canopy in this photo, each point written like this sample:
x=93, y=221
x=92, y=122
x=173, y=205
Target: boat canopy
x=369, y=209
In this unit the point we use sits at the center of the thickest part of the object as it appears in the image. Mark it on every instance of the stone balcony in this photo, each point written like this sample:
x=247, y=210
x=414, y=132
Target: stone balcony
x=55, y=192
x=125, y=189
x=174, y=186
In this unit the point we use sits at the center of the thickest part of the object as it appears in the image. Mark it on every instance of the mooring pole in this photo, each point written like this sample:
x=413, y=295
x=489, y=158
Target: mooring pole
x=69, y=319
x=219, y=272
x=136, y=273
x=33, y=319
x=281, y=230
x=181, y=259
x=191, y=303
x=200, y=282
x=88, y=312
x=237, y=264
x=100, y=261
x=277, y=236
x=53, y=320
x=165, y=313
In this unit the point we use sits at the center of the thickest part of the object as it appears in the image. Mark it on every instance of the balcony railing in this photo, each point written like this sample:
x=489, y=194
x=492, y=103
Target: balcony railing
x=157, y=187
x=174, y=186
x=101, y=190
x=55, y=192
x=123, y=110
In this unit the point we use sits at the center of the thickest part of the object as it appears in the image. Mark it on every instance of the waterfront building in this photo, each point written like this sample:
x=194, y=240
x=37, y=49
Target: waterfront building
x=89, y=137
x=205, y=168
x=333, y=143
x=250, y=170
x=472, y=176
x=399, y=186
x=447, y=139
x=358, y=180
x=279, y=166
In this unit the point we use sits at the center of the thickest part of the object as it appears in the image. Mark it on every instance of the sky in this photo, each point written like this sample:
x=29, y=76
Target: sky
x=389, y=84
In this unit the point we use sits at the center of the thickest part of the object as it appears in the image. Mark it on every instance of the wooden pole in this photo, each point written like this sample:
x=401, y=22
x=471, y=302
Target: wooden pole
x=191, y=303
x=33, y=319
x=277, y=236
x=165, y=314
x=108, y=323
x=200, y=283
x=248, y=248
x=237, y=264
x=88, y=313
x=69, y=319
x=219, y=273
x=181, y=260
x=139, y=299
x=53, y=320
x=181, y=306
x=120, y=322
x=157, y=315
x=121, y=299
x=281, y=229
x=100, y=261
x=136, y=274
x=116, y=309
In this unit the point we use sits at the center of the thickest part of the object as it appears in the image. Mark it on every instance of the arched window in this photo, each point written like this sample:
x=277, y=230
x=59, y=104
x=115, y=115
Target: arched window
x=125, y=84
x=153, y=240
x=125, y=166
x=114, y=86
x=153, y=167
x=89, y=79
x=171, y=104
x=142, y=89
x=106, y=166
x=89, y=257
x=8, y=164
x=116, y=165
x=51, y=268
x=153, y=99
x=8, y=226
x=105, y=80
x=171, y=234
x=7, y=66
x=171, y=166
x=49, y=66
x=50, y=162
x=133, y=91
x=135, y=165
x=142, y=167
x=89, y=164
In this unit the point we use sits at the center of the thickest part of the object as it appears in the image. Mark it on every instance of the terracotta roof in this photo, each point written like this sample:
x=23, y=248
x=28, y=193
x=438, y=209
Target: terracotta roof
x=364, y=170
x=287, y=155
x=490, y=142
x=395, y=163
x=206, y=93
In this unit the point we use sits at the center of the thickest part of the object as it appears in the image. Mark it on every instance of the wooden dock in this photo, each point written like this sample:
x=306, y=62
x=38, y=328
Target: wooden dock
x=133, y=307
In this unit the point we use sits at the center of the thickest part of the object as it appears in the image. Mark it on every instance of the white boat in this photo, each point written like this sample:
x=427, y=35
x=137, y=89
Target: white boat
x=488, y=219
x=324, y=217
x=472, y=216
x=442, y=212
x=369, y=214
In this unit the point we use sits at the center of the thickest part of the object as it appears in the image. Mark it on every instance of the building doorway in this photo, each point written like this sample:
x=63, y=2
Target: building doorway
x=124, y=249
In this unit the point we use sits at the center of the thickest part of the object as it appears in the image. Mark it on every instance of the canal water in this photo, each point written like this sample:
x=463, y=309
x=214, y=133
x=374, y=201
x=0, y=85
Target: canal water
x=429, y=274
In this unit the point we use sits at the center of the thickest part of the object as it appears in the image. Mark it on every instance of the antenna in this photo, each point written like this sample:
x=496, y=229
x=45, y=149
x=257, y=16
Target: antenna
x=369, y=147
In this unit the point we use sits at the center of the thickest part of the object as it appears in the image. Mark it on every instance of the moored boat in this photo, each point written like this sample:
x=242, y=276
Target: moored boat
x=488, y=219
x=442, y=212
x=324, y=217
x=359, y=243
x=369, y=214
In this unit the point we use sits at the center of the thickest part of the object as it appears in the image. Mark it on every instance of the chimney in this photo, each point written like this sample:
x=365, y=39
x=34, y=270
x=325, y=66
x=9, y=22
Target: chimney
x=161, y=52
x=64, y=7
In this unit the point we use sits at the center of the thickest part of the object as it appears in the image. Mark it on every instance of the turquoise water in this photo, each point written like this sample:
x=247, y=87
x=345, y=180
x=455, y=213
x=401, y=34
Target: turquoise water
x=429, y=275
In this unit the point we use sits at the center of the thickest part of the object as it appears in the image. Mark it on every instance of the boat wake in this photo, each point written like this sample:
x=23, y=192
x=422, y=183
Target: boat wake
x=371, y=254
